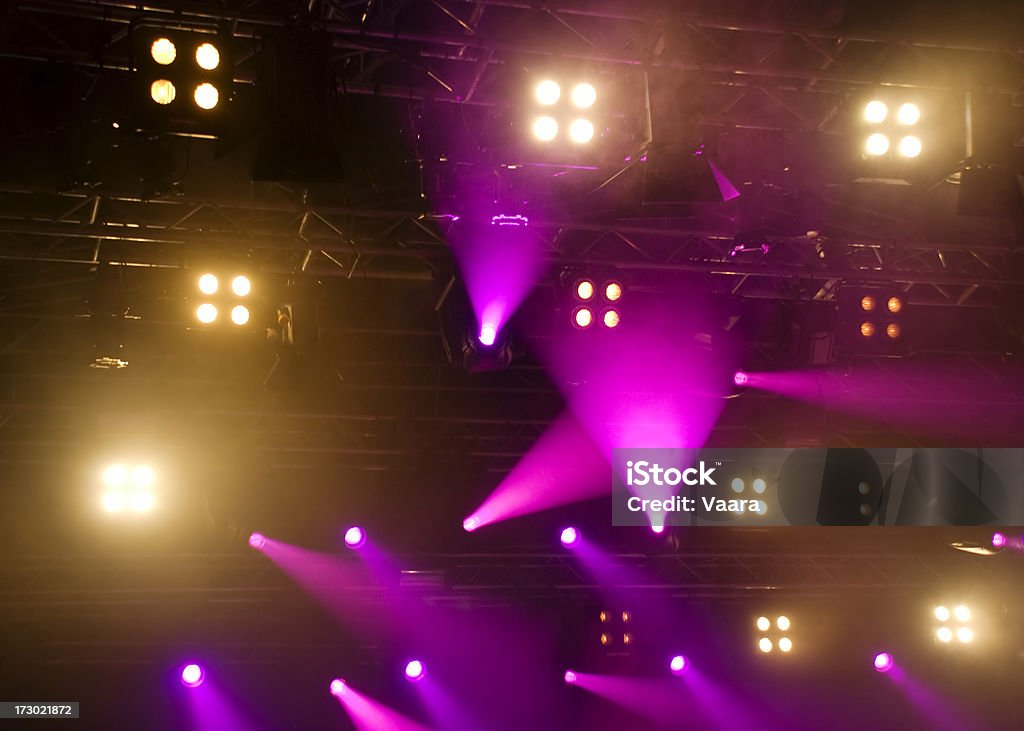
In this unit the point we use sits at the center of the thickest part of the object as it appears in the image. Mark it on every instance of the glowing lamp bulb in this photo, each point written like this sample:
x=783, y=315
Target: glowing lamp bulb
x=488, y=334
x=570, y=677
x=257, y=541
x=355, y=537
x=613, y=291
x=471, y=523
x=548, y=92
x=611, y=319
x=240, y=314
x=998, y=540
x=883, y=662
x=910, y=146
x=875, y=112
x=206, y=313
x=657, y=529
x=678, y=665
x=241, y=285
x=764, y=624
x=740, y=378
x=908, y=114
x=142, y=502
x=114, y=502
x=584, y=95
x=192, y=676
x=206, y=96
x=581, y=131
x=545, y=129
x=163, y=51
x=584, y=289
x=415, y=670
x=877, y=145
x=208, y=283
x=162, y=91
x=207, y=56
x=570, y=536
x=583, y=318
x=338, y=687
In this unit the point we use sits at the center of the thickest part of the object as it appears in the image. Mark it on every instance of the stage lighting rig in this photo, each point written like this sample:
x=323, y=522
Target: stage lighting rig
x=873, y=320
x=223, y=298
x=596, y=303
x=954, y=624
x=563, y=111
x=129, y=488
x=616, y=627
x=182, y=79
x=773, y=634
x=894, y=133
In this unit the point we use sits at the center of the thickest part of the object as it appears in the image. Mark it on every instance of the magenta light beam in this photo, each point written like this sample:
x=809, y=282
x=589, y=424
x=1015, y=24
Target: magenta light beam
x=368, y=714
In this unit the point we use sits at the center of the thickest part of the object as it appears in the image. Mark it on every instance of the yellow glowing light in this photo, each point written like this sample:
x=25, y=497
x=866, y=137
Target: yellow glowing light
x=875, y=111
x=894, y=305
x=585, y=289
x=208, y=284
x=763, y=623
x=207, y=56
x=583, y=317
x=239, y=314
x=114, y=501
x=942, y=614
x=764, y=645
x=581, y=131
x=584, y=95
x=783, y=623
x=867, y=329
x=163, y=51
x=611, y=319
x=548, y=92
x=241, y=285
x=908, y=114
x=892, y=330
x=613, y=291
x=206, y=313
x=162, y=91
x=545, y=129
x=867, y=303
x=877, y=144
x=206, y=96
x=143, y=476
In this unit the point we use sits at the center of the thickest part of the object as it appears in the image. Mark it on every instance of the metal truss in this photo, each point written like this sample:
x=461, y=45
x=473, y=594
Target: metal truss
x=94, y=582
x=289, y=236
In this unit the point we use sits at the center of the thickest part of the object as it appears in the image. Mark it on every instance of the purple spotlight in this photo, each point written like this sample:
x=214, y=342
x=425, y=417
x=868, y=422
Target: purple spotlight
x=257, y=541
x=570, y=537
x=570, y=677
x=741, y=378
x=678, y=665
x=883, y=662
x=192, y=676
x=657, y=529
x=415, y=670
x=355, y=537
x=488, y=334
x=338, y=687
x=998, y=540
x=471, y=523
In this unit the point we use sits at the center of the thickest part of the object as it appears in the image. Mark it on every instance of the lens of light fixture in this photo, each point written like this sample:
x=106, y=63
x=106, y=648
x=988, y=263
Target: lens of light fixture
x=415, y=670
x=759, y=485
x=163, y=51
x=892, y=330
x=570, y=677
x=338, y=687
x=581, y=131
x=942, y=614
x=143, y=476
x=206, y=313
x=944, y=634
x=257, y=540
x=207, y=56
x=603, y=616
x=488, y=334
x=867, y=329
x=908, y=114
x=162, y=91
x=192, y=675
x=965, y=634
x=471, y=523
x=583, y=317
x=584, y=95
x=627, y=639
x=610, y=319
x=737, y=485
x=764, y=624
x=208, y=283
x=613, y=291
x=239, y=314
x=115, y=475
x=894, y=305
x=883, y=662
x=877, y=144
x=605, y=638
x=764, y=645
x=548, y=92
x=545, y=129
x=867, y=303
x=206, y=96
x=142, y=502
x=678, y=664
x=785, y=644
x=782, y=623
x=241, y=285
x=910, y=146
x=962, y=613
x=875, y=112
x=584, y=289
x=114, y=501
x=626, y=616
